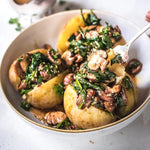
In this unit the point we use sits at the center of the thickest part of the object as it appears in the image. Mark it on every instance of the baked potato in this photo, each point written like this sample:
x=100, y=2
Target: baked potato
x=71, y=27
x=34, y=75
x=94, y=117
x=84, y=118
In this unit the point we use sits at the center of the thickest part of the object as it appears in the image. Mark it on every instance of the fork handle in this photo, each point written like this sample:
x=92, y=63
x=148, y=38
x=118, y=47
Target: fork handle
x=138, y=34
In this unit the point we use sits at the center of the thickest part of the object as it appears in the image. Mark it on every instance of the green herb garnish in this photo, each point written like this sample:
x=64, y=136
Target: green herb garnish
x=24, y=91
x=59, y=89
x=127, y=82
x=25, y=105
x=91, y=19
x=72, y=37
x=120, y=101
x=15, y=21
x=20, y=59
x=116, y=35
x=128, y=85
x=63, y=124
x=111, y=114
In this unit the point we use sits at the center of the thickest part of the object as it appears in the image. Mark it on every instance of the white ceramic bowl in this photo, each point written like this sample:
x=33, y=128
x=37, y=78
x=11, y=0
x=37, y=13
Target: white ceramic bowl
x=47, y=31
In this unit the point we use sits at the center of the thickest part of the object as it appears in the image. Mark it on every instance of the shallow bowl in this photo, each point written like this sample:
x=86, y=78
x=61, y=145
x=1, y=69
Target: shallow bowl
x=47, y=31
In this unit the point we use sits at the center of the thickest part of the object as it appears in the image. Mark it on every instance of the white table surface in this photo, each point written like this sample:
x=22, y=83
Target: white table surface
x=17, y=134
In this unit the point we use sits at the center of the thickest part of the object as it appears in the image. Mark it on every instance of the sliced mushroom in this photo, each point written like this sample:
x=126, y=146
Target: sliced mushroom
x=78, y=58
x=68, y=79
x=110, y=93
x=45, y=75
x=67, y=56
x=56, y=117
x=50, y=57
x=106, y=97
x=90, y=93
x=47, y=46
x=115, y=89
x=91, y=34
x=91, y=77
x=110, y=106
x=134, y=67
x=23, y=85
x=79, y=100
x=24, y=63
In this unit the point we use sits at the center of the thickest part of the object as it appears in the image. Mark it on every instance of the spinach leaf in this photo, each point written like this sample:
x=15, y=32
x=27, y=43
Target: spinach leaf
x=127, y=82
x=59, y=89
x=63, y=124
x=116, y=35
x=37, y=58
x=106, y=40
x=72, y=37
x=24, y=91
x=91, y=19
x=120, y=101
x=15, y=21
x=20, y=59
x=116, y=59
x=25, y=105
x=128, y=85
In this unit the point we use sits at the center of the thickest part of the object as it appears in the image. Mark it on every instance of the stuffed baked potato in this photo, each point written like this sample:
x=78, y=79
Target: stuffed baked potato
x=97, y=89
x=99, y=93
x=35, y=74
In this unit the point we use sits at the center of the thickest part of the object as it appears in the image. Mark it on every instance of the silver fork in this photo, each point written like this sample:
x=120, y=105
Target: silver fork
x=123, y=49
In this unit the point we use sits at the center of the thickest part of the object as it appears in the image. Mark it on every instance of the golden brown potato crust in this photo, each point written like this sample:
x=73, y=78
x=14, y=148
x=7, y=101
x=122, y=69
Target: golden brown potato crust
x=13, y=77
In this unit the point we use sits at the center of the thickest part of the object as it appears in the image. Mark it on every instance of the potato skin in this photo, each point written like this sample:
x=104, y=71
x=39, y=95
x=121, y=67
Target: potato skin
x=85, y=118
x=45, y=97
x=71, y=27
x=131, y=102
x=13, y=77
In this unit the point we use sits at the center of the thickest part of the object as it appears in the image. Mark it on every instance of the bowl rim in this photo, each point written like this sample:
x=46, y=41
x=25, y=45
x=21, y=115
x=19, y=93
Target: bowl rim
x=63, y=130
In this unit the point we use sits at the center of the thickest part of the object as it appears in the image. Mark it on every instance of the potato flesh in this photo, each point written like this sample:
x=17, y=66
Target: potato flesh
x=44, y=97
x=85, y=118
x=71, y=27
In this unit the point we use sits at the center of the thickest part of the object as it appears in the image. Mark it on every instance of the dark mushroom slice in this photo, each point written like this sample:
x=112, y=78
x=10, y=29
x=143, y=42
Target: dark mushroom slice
x=133, y=67
x=68, y=79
